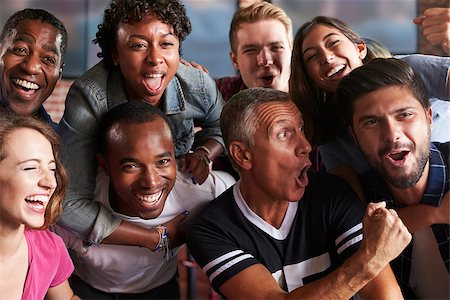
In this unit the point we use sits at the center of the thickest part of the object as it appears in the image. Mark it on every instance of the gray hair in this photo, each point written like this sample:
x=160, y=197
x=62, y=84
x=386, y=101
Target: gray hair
x=239, y=118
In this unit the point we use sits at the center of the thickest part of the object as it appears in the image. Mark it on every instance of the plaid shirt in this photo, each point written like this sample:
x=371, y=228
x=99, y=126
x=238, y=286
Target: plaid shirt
x=438, y=184
x=229, y=86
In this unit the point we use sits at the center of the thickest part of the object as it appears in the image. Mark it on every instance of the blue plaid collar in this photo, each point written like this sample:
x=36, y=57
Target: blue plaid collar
x=437, y=184
x=438, y=178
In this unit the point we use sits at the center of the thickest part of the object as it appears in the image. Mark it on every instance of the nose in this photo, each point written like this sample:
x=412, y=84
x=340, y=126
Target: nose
x=264, y=58
x=149, y=178
x=392, y=131
x=327, y=56
x=48, y=180
x=32, y=64
x=303, y=146
x=154, y=56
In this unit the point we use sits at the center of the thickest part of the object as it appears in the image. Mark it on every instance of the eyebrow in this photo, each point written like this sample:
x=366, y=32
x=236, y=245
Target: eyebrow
x=30, y=40
x=324, y=38
x=165, y=154
x=133, y=160
x=396, y=111
x=143, y=37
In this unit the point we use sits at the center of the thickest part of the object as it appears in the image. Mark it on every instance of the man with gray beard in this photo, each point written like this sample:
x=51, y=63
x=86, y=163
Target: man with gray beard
x=389, y=114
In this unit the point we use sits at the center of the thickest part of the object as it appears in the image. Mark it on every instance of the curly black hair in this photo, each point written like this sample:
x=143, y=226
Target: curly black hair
x=170, y=12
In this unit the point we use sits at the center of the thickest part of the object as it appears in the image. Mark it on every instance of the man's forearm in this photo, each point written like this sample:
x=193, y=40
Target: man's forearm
x=344, y=282
x=129, y=234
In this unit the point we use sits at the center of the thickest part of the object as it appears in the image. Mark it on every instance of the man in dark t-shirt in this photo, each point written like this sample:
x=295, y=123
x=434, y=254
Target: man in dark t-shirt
x=277, y=231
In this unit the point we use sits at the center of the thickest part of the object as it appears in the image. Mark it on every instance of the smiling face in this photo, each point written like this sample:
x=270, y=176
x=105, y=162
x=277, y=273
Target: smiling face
x=141, y=164
x=329, y=55
x=279, y=156
x=263, y=54
x=393, y=132
x=147, y=54
x=30, y=66
x=27, y=178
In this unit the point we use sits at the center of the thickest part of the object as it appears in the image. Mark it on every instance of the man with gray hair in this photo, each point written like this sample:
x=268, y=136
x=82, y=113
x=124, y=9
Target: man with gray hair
x=282, y=232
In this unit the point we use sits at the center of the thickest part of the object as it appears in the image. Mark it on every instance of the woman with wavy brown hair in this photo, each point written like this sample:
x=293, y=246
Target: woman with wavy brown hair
x=34, y=262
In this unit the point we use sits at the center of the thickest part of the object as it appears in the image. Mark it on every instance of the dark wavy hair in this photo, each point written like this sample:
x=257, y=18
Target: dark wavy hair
x=314, y=103
x=35, y=14
x=170, y=12
x=375, y=75
x=9, y=122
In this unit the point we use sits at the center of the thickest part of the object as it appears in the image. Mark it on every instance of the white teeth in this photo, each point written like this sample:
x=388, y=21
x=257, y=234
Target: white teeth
x=335, y=70
x=26, y=84
x=155, y=75
x=150, y=198
x=40, y=198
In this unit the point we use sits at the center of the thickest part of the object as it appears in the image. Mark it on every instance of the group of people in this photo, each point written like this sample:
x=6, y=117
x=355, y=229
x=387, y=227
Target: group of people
x=142, y=131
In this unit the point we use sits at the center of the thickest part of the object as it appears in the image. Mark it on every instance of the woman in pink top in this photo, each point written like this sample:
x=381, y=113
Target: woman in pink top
x=34, y=262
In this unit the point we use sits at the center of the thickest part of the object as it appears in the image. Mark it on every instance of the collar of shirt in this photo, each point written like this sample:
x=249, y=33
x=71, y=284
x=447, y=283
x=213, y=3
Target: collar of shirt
x=438, y=180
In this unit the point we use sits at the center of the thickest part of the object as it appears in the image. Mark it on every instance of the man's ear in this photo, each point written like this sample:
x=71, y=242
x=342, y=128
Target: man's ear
x=103, y=163
x=362, y=50
x=240, y=154
x=61, y=71
x=233, y=58
x=430, y=116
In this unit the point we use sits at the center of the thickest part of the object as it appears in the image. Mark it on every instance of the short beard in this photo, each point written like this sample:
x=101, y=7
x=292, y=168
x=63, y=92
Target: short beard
x=405, y=181
x=402, y=180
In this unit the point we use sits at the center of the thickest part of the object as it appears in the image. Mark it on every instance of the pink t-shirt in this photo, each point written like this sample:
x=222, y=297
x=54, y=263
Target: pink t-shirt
x=49, y=264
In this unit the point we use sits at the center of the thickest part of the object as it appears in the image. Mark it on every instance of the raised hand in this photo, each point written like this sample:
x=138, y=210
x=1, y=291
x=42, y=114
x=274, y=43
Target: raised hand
x=385, y=235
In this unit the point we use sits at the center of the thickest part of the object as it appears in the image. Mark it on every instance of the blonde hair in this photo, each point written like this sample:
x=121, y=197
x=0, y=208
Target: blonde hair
x=375, y=50
x=259, y=11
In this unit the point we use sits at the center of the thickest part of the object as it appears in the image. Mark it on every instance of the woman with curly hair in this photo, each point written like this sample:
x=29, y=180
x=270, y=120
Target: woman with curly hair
x=34, y=262
x=140, y=43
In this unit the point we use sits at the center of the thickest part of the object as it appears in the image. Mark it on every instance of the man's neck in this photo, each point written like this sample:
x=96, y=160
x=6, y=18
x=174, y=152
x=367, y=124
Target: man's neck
x=270, y=210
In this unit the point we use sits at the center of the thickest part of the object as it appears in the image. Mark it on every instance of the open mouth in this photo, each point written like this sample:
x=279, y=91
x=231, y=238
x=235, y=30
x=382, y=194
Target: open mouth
x=37, y=203
x=154, y=82
x=336, y=71
x=397, y=157
x=150, y=199
x=303, y=176
x=24, y=85
x=267, y=80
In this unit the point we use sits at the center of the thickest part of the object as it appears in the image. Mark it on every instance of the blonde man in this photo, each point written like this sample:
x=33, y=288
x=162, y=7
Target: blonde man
x=261, y=43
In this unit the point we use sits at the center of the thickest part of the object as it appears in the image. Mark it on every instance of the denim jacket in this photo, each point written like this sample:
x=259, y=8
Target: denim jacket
x=191, y=96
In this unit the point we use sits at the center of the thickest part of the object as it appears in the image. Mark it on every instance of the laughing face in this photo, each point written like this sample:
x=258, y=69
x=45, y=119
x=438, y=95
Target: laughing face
x=141, y=166
x=393, y=132
x=263, y=55
x=329, y=55
x=147, y=54
x=280, y=153
x=30, y=66
x=27, y=178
